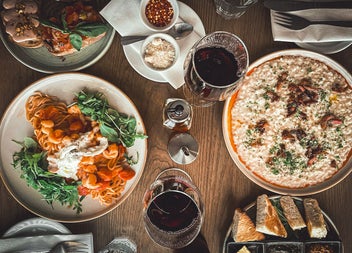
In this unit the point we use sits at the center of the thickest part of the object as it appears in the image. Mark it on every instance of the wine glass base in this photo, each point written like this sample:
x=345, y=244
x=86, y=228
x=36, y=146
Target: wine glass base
x=195, y=100
x=183, y=148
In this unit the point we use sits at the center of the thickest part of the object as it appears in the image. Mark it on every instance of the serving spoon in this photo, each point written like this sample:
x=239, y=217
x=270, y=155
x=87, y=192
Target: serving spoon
x=178, y=31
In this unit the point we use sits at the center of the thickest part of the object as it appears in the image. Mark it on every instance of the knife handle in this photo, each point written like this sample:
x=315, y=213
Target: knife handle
x=335, y=23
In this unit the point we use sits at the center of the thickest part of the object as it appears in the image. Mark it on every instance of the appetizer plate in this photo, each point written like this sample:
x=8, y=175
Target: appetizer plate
x=132, y=51
x=40, y=59
x=226, y=127
x=14, y=126
x=298, y=238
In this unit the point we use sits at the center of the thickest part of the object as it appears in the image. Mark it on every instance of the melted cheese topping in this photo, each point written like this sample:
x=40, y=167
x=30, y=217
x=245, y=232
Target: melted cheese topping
x=292, y=121
x=65, y=162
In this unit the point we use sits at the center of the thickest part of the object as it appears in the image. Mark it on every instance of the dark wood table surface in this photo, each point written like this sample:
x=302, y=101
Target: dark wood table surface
x=221, y=183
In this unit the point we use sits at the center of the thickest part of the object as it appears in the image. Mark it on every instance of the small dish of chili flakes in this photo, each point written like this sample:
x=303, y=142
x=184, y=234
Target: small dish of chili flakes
x=159, y=15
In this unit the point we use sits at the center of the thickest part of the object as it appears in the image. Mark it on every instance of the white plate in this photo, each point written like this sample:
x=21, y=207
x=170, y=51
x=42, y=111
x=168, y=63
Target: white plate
x=187, y=14
x=36, y=226
x=14, y=126
x=325, y=47
x=40, y=59
x=338, y=177
x=333, y=233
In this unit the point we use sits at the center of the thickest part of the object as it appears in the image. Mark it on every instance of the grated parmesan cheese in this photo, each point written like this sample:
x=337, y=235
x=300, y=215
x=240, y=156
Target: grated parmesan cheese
x=159, y=54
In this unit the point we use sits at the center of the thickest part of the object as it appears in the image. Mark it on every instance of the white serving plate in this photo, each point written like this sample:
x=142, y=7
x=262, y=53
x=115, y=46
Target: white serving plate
x=40, y=59
x=14, y=126
x=338, y=177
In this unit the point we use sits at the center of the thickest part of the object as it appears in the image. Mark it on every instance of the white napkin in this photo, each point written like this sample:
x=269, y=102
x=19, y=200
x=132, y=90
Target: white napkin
x=123, y=15
x=315, y=33
x=43, y=242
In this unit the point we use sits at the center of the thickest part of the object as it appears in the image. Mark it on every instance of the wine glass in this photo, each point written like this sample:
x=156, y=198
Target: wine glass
x=173, y=210
x=214, y=68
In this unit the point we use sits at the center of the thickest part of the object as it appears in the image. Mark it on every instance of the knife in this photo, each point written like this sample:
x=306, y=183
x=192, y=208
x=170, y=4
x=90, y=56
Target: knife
x=282, y=5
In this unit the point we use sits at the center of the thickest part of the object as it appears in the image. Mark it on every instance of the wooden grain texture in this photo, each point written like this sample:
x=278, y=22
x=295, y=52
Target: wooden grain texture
x=221, y=183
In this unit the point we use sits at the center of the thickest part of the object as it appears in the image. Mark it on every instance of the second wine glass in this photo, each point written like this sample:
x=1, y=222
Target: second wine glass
x=173, y=209
x=214, y=67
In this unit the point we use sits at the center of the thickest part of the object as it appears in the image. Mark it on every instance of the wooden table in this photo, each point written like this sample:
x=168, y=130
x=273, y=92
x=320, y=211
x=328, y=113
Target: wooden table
x=222, y=184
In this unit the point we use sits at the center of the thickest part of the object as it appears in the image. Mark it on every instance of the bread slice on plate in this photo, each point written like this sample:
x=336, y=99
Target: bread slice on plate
x=268, y=221
x=243, y=229
x=314, y=218
x=244, y=249
x=291, y=212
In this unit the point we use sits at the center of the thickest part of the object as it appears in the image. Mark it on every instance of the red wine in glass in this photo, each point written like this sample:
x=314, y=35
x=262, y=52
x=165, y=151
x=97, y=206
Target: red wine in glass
x=173, y=214
x=214, y=67
x=173, y=211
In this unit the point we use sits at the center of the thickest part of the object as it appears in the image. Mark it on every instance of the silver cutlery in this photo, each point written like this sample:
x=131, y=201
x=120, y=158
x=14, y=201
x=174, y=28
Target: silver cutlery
x=178, y=31
x=294, y=22
x=282, y=5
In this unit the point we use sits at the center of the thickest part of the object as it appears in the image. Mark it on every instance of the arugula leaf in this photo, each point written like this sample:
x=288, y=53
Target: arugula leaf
x=32, y=161
x=115, y=126
x=109, y=132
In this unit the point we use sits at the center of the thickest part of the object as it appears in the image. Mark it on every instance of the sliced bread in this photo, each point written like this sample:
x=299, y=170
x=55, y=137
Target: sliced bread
x=268, y=221
x=314, y=219
x=243, y=229
x=291, y=212
x=244, y=249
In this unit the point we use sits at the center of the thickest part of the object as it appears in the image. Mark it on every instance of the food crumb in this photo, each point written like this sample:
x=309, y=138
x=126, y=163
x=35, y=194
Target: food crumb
x=159, y=54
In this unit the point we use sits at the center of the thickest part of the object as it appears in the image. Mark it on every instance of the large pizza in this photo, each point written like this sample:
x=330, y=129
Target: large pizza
x=290, y=123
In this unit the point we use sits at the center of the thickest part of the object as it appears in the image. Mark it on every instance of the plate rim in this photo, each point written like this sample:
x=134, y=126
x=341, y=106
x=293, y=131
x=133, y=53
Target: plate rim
x=11, y=232
x=77, y=218
x=314, y=189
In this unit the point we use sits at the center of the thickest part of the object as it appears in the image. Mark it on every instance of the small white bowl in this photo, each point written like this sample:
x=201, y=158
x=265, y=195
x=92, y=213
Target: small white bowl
x=157, y=55
x=152, y=27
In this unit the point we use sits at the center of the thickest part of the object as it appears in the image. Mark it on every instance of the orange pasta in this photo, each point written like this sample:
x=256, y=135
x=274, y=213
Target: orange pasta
x=101, y=166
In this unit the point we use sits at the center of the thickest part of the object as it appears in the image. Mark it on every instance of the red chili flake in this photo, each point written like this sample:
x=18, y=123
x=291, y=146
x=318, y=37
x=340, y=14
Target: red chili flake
x=159, y=12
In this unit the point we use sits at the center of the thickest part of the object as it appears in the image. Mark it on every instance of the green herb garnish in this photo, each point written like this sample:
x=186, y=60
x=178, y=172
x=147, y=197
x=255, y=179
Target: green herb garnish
x=76, y=33
x=115, y=126
x=32, y=161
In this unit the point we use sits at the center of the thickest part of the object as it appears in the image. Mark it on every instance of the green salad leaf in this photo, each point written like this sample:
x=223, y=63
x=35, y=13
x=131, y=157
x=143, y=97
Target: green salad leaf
x=76, y=33
x=115, y=126
x=33, y=163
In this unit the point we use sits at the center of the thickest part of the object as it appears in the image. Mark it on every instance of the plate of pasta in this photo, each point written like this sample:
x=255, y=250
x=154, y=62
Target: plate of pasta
x=73, y=147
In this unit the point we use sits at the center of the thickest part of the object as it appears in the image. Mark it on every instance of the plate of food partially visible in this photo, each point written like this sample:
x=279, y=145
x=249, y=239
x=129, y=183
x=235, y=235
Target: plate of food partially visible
x=288, y=127
x=73, y=147
x=55, y=36
x=282, y=223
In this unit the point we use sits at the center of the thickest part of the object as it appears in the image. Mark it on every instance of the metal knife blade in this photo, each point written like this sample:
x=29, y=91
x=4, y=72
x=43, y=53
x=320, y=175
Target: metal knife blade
x=282, y=5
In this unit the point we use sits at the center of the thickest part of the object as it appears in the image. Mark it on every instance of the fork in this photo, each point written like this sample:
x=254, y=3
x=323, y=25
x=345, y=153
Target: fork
x=70, y=247
x=294, y=22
